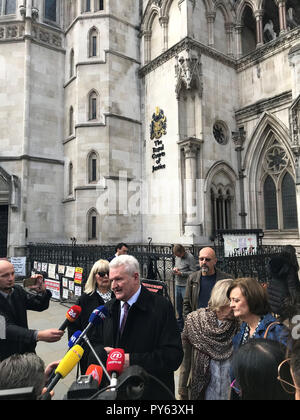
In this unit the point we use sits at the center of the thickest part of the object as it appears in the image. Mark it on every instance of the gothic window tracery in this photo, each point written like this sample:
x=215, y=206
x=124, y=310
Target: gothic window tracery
x=221, y=206
x=279, y=192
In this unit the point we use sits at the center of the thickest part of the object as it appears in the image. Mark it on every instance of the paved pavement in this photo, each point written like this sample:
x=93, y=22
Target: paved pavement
x=49, y=352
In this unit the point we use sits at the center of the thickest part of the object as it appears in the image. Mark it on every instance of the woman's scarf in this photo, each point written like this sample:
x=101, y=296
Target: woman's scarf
x=211, y=340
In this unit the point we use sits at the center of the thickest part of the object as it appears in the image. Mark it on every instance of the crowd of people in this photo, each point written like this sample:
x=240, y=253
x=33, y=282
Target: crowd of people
x=230, y=338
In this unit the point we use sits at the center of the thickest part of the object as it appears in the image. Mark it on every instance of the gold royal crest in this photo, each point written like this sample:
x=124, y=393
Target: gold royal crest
x=158, y=125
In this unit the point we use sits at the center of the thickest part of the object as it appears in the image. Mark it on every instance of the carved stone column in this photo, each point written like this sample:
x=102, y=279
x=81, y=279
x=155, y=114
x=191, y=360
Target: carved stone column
x=259, y=27
x=238, y=34
x=211, y=16
x=282, y=16
x=238, y=138
x=294, y=61
x=190, y=148
x=147, y=40
x=229, y=33
x=164, y=24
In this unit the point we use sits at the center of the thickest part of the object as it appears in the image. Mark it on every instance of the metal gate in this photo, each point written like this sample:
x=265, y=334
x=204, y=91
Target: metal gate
x=3, y=230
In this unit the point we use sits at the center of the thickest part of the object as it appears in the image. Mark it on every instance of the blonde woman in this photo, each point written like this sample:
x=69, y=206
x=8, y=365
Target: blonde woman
x=207, y=343
x=97, y=292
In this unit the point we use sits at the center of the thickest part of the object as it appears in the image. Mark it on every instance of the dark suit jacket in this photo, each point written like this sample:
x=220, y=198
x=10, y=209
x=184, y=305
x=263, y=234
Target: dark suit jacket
x=19, y=339
x=151, y=337
x=87, y=302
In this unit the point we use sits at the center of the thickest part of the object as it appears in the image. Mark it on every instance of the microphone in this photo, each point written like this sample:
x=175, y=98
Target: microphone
x=86, y=386
x=71, y=316
x=68, y=362
x=74, y=338
x=114, y=365
x=98, y=315
x=96, y=372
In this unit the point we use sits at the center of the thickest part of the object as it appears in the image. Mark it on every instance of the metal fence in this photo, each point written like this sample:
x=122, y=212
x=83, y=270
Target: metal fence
x=156, y=261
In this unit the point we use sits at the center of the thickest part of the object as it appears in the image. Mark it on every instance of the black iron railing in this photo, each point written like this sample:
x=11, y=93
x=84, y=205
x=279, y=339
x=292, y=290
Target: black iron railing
x=156, y=261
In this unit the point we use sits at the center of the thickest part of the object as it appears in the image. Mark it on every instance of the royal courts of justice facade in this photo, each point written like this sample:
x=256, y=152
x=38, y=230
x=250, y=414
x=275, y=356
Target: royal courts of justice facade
x=129, y=119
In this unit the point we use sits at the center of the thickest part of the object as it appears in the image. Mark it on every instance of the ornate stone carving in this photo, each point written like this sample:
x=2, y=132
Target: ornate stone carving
x=188, y=71
x=295, y=123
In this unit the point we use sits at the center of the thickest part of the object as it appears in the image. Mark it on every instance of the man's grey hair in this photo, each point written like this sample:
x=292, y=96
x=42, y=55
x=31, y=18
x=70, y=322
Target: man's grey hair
x=23, y=370
x=131, y=264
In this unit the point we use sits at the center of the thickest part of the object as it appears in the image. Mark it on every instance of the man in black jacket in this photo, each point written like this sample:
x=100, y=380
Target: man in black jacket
x=149, y=335
x=15, y=336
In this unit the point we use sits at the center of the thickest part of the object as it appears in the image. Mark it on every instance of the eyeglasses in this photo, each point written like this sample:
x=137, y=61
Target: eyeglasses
x=204, y=259
x=103, y=273
x=234, y=386
x=287, y=386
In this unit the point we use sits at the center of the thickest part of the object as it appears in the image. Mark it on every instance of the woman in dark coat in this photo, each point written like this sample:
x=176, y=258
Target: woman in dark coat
x=97, y=292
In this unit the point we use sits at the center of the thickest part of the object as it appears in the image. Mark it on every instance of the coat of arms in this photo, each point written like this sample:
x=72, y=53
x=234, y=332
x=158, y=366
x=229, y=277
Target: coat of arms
x=158, y=125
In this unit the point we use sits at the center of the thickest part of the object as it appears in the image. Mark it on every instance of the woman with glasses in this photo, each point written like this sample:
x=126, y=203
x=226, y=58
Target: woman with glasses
x=261, y=372
x=207, y=343
x=97, y=292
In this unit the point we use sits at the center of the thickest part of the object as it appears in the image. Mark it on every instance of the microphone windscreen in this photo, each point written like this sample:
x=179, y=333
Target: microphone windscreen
x=73, y=339
x=96, y=371
x=73, y=313
x=115, y=361
x=98, y=315
x=69, y=361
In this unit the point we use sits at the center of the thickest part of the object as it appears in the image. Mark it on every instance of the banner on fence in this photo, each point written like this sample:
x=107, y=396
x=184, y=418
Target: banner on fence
x=19, y=264
x=239, y=243
x=64, y=282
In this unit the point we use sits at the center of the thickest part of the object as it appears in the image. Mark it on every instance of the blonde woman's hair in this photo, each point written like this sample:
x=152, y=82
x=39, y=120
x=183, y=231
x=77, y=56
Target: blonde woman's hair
x=218, y=297
x=100, y=265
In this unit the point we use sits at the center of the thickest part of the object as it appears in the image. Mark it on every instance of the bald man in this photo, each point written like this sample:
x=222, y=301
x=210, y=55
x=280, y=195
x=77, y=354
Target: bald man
x=201, y=283
x=14, y=302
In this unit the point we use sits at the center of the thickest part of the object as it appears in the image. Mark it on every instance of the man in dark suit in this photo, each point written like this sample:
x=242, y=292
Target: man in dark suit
x=144, y=325
x=121, y=249
x=14, y=301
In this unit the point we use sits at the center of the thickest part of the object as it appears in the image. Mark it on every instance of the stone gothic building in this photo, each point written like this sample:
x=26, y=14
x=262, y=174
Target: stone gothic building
x=130, y=119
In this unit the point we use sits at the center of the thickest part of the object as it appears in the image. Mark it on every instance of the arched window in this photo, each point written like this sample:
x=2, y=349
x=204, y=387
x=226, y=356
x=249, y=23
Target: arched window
x=71, y=121
x=289, y=205
x=93, y=105
x=7, y=7
x=50, y=10
x=270, y=201
x=279, y=191
x=93, y=42
x=92, y=224
x=71, y=63
x=93, y=167
x=70, y=180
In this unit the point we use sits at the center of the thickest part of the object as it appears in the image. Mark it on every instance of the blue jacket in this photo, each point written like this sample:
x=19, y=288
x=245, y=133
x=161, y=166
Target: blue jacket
x=277, y=332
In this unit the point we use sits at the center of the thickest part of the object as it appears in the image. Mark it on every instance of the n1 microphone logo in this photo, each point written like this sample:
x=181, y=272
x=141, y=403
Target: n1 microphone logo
x=296, y=329
x=116, y=356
